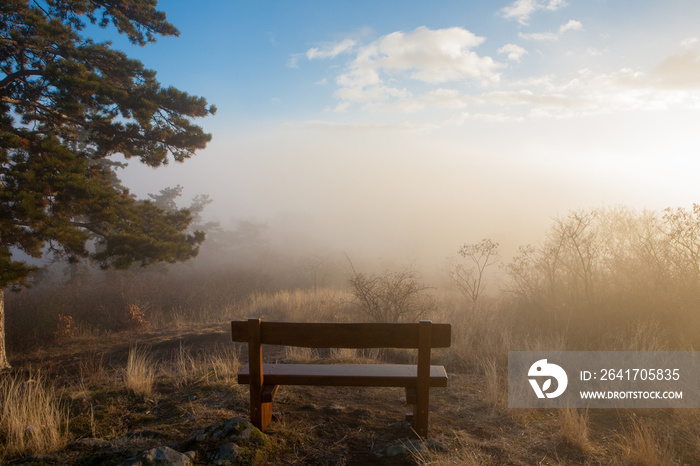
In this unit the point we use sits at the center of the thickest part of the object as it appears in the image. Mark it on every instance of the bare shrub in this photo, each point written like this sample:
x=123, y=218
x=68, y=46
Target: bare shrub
x=33, y=419
x=65, y=328
x=140, y=373
x=134, y=317
x=611, y=269
x=392, y=296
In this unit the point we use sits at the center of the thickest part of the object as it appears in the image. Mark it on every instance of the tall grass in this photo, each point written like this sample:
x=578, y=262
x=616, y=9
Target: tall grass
x=33, y=418
x=320, y=305
x=140, y=372
x=640, y=447
x=219, y=365
x=574, y=428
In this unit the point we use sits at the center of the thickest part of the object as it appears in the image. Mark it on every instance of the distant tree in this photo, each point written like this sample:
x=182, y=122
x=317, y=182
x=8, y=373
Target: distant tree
x=167, y=198
x=682, y=228
x=468, y=275
x=167, y=201
x=67, y=104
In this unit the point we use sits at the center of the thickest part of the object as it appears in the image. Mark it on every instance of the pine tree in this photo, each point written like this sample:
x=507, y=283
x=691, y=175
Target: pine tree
x=67, y=106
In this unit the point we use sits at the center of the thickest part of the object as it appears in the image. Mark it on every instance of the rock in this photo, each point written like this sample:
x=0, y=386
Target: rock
x=146, y=434
x=396, y=450
x=308, y=407
x=334, y=409
x=233, y=429
x=228, y=454
x=160, y=456
x=403, y=425
x=361, y=413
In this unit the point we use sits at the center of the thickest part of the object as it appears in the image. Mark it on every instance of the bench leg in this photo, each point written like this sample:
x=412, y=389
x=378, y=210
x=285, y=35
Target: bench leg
x=420, y=409
x=418, y=415
x=261, y=406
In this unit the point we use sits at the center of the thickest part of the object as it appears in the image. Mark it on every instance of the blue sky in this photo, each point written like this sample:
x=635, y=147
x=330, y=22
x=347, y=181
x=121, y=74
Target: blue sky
x=414, y=124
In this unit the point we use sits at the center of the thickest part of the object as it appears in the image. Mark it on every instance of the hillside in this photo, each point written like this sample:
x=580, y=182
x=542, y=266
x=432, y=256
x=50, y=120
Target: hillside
x=194, y=389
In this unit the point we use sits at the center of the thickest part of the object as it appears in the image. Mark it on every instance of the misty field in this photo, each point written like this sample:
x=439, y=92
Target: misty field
x=107, y=364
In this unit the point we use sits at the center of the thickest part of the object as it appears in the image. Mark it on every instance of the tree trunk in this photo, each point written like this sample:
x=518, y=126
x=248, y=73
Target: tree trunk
x=4, y=364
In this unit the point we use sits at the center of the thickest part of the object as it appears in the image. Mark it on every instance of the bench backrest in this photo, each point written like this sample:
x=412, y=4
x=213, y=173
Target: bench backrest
x=334, y=335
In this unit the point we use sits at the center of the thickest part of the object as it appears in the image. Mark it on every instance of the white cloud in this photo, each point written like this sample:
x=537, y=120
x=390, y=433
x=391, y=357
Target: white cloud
x=422, y=56
x=679, y=71
x=515, y=52
x=330, y=50
x=438, y=98
x=591, y=93
x=690, y=42
x=571, y=25
x=440, y=74
x=431, y=56
x=521, y=10
x=539, y=36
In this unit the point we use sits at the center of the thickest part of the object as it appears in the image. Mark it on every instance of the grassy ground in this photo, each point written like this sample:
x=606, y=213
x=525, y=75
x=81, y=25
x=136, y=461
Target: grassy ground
x=148, y=388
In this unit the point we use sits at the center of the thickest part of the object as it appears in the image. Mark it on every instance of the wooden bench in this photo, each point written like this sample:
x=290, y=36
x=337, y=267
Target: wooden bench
x=265, y=379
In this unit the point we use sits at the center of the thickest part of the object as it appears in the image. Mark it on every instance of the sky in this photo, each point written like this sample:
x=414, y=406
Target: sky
x=412, y=127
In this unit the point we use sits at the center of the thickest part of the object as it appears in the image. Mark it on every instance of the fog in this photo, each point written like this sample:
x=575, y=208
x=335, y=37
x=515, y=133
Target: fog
x=416, y=193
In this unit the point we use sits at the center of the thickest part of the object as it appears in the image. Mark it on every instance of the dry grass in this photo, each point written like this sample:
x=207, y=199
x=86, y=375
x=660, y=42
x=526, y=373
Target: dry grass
x=219, y=365
x=496, y=383
x=33, y=419
x=640, y=447
x=462, y=458
x=574, y=429
x=320, y=305
x=140, y=372
x=299, y=354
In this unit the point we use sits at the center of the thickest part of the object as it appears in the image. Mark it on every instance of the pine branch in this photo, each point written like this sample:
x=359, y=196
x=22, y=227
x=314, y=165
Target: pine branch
x=19, y=74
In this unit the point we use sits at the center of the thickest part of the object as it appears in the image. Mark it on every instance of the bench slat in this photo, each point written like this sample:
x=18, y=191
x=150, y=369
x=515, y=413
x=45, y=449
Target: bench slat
x=345, y=375
x=346, y=335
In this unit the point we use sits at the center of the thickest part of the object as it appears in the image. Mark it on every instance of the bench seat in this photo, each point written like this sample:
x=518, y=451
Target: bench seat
x=345, y=375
